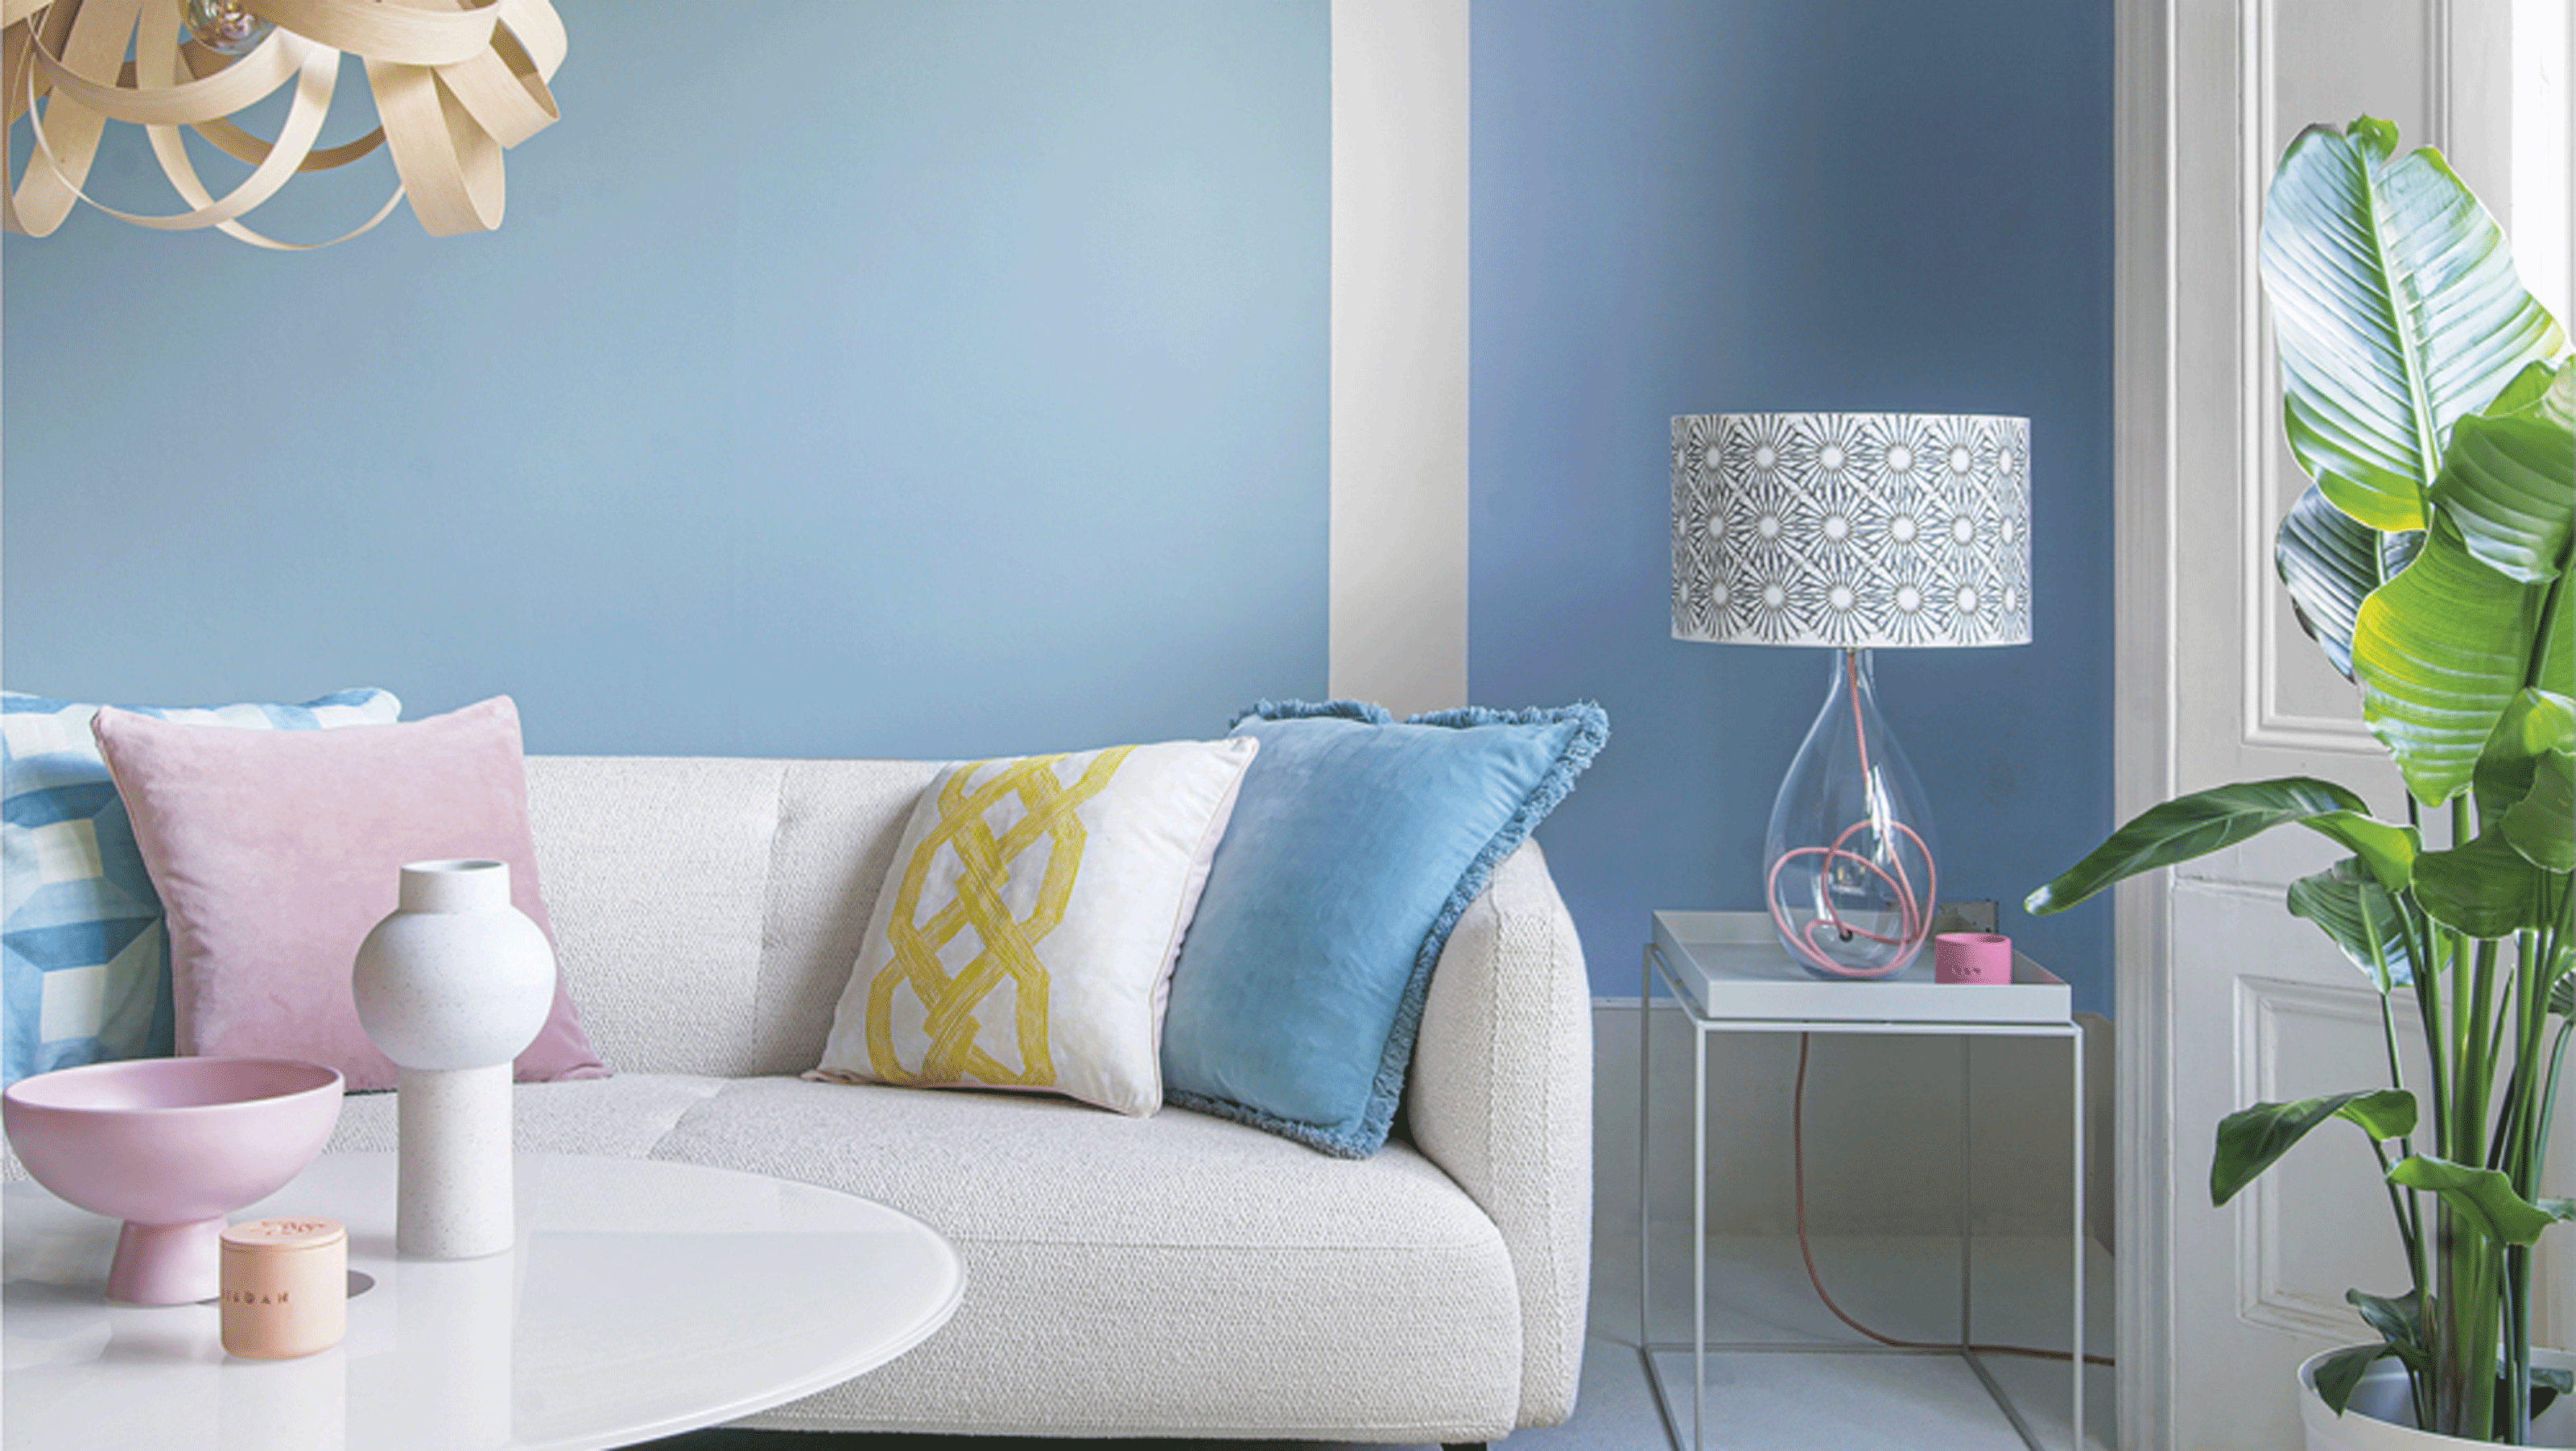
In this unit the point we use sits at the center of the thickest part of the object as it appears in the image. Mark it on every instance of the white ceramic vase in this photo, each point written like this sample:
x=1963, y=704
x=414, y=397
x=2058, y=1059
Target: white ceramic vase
x=451, y=987
x=2380, y=1416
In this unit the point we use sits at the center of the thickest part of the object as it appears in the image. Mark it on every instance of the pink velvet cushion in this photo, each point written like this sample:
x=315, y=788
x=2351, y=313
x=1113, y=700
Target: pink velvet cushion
x=275, y=851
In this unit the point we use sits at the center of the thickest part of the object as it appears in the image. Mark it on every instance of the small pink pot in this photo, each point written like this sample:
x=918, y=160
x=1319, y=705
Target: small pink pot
x=1972, y=957
x=170, y=1146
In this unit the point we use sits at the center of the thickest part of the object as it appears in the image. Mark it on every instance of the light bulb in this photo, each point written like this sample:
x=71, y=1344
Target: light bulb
x=224, y=27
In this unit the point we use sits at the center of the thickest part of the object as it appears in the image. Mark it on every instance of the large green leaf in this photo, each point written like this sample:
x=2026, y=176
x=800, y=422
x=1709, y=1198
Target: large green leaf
x=2389, y=851
x=2440, y=651
x=2339, y=1374
x=2482, y=1199
x=2535, y=724
x=2330, y=561
x=2397, y=310
x=2542, y=826
x=2526, y=779
x=2335, y=900
x=2509, y=478
x=2555, y=984
x=2485, y=889
x=2456, y=633
x=2251, y=1140
x=2399, y=1319
x=2191, y=826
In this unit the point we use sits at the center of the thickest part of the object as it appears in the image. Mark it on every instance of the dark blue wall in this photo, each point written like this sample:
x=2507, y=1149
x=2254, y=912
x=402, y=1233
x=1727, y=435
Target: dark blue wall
x=849, y=377
x=1693, y=207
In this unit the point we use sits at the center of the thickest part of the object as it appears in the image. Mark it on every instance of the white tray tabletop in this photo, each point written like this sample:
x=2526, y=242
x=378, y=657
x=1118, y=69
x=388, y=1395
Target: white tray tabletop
x=643, y=1299
x=1730, y=966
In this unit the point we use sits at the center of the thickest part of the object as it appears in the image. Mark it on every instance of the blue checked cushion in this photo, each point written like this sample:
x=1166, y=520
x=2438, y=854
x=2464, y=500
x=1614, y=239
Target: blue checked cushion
x=84, y=960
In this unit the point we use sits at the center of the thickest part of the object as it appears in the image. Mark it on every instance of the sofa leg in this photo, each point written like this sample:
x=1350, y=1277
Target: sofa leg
x=1462, y=1446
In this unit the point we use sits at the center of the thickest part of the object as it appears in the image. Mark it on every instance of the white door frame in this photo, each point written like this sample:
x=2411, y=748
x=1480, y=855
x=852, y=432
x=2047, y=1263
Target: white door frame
x=2143, y=694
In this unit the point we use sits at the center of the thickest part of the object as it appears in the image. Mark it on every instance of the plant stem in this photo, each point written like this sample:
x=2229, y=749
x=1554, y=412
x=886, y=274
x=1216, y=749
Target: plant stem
x=2513, y=1147
x=2387, y=1008
x=2405, y=1203
x=2437, y=1077
x=2428, y=1003
x=2472, y=1078
x=2509, y=1024
x=2519, y=1150
x=2463, y=1334
x=2549, y=1099
x=2399, y=1207
x=2478, y=1056
x=2550, y=606
x=2437, y=1381
x=2465, y=1342
x=2517, y=1347
x=2409, y=1211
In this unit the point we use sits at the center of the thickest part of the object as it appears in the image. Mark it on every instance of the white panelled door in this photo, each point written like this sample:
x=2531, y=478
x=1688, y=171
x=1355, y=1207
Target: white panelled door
x=2224, y=998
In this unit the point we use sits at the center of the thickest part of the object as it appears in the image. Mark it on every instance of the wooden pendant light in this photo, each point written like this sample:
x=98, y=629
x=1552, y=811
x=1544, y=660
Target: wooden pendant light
x=454, y=85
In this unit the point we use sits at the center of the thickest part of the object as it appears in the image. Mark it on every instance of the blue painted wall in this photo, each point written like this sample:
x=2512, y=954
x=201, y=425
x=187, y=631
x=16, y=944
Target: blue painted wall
x=974, y=400
x=848, y=378
x=1693, y=207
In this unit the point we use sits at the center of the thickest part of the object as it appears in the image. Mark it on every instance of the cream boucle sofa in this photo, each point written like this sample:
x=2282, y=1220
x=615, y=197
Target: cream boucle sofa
x=1177, y=1275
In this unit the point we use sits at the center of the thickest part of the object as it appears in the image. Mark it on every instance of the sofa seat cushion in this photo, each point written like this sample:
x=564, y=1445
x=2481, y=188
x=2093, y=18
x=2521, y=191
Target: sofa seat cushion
x=1173, y=1275
x=1178, y=1275
x=620, y=1118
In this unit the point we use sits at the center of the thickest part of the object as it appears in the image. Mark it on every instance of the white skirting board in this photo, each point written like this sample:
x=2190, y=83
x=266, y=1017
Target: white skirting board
x=1882, y=1130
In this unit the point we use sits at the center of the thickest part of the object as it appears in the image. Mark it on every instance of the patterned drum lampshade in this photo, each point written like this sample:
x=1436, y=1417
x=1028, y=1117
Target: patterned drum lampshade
x=1854, y=532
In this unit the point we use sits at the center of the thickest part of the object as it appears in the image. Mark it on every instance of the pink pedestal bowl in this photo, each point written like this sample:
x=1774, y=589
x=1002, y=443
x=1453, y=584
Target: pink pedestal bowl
x=170, y=1146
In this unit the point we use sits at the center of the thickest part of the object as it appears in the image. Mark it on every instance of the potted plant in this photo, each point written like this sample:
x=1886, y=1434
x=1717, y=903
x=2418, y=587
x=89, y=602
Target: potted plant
x=2429, y=400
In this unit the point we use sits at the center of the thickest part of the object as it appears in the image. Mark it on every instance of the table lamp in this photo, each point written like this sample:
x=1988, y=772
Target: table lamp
x=1852, y=532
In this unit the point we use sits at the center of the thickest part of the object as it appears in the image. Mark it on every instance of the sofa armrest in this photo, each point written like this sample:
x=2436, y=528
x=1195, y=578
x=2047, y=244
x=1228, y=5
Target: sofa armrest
x=1501, y=1098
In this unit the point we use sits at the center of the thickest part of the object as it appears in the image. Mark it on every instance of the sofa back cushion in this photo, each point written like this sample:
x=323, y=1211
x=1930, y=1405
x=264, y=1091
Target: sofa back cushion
x=707, y=910
x=274, y=852
x=1025, y=939
x=87, y=974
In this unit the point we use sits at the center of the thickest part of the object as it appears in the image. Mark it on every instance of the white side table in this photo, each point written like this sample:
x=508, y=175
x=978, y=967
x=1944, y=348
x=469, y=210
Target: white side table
x=1729, y=973
x=643, y=1299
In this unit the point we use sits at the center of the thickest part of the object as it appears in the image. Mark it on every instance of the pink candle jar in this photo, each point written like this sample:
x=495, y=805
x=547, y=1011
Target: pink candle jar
x=1972, y=957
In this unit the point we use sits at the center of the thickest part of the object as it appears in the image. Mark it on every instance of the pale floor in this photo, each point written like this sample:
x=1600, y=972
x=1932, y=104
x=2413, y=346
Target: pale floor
x=1823, y=1400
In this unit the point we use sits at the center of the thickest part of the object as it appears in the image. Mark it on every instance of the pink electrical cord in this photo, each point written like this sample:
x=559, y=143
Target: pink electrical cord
x=1913, y=918
x=1806, y=1250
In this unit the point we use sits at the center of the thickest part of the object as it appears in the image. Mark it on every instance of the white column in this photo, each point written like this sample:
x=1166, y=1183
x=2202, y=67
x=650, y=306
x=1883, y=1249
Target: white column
x=1398, y=615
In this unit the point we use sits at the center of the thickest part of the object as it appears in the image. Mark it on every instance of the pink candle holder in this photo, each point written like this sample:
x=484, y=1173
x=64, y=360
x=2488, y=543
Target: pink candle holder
x=1972, y=957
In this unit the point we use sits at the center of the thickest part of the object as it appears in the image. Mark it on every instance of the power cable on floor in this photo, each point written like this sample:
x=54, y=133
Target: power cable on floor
x=1798, y=1167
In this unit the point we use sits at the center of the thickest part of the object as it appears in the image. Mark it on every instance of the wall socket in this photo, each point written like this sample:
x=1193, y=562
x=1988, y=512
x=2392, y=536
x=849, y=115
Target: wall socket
x=1977, y=915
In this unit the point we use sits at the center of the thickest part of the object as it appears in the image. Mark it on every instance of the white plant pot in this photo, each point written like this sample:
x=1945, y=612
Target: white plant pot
x=451, y=987
x=2381, y=1416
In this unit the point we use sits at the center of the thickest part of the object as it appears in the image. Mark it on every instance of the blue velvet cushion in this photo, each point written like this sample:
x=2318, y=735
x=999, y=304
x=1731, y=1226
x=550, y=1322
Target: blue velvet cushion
x=1356, y=843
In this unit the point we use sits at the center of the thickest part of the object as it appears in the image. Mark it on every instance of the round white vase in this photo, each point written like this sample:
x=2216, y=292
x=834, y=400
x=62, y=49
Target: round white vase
x=452, y=987
x=2381, y=1415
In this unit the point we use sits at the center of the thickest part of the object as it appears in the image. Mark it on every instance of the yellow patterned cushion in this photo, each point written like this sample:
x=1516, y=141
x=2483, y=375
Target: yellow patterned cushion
x=1026, y=932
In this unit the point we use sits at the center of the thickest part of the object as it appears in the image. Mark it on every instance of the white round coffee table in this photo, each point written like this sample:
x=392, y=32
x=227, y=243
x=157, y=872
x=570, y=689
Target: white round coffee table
x=642, y=1299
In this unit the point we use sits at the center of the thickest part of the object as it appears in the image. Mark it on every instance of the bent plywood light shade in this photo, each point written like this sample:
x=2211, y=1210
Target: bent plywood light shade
x=454, y=85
